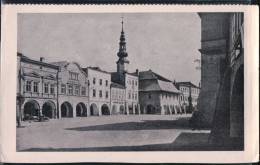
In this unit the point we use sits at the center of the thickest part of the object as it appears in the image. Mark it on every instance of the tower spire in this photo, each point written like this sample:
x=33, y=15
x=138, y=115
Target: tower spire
x=122, y=54
x=122, y=22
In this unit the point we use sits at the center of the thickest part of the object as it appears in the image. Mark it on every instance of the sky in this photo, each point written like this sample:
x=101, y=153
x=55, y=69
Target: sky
x=166, y=43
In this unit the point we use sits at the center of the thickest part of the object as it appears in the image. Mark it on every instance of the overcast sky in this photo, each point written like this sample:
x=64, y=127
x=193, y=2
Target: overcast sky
x=167, y=43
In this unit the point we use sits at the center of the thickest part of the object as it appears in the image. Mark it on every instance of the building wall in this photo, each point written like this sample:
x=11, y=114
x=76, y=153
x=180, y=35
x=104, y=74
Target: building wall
x=95, y=77
x=72, y=77
x=213, y=57
x=118, y=101
x=32, y=77
x=132, y=86
x=169, y=103
x=184, y=98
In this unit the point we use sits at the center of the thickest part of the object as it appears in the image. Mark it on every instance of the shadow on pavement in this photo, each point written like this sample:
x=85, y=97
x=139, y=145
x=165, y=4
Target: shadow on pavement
x=184, y=142
x=181, y=123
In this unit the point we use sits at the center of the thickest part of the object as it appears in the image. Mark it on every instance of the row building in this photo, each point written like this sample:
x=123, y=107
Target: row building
x=65, y=89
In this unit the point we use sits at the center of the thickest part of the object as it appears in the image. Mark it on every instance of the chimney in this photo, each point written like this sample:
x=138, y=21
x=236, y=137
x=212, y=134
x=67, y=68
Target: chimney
x=42, y=59
x=137, y=71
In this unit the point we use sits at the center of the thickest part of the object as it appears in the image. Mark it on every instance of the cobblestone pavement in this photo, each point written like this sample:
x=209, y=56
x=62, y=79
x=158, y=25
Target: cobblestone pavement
x=111, y=133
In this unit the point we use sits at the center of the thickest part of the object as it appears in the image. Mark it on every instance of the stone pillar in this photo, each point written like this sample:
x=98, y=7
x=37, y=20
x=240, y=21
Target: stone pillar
x=74, y=111
x=133, y=108
x=99, y=110
x=162, y=110
x=127, y=109
x=88, y=109
x=138, y=109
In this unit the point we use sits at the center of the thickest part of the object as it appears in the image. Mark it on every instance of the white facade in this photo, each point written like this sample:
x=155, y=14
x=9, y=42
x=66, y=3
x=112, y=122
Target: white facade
x=118, y=99
x=132, y=85
x=99, y=91
x=73, y=91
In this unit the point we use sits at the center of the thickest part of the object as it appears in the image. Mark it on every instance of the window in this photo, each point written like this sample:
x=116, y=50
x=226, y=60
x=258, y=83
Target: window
x=77, y=90
x=106, y=94
x=129, y=95
x=94, y=93
x=28, y=86
x=73, y=76
x=94, y=80
x=46, y=88
x=149, y=96
x=63, y=88
x=83, y=91
x=100, y=81
x=70, y=88
x=35, y=87
x=135, y=83
x=135, y=96
x=52, y=88
x=100, y=94
x=106, y=82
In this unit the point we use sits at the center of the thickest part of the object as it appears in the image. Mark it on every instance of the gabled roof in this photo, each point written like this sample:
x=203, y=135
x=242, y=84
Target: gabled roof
x=157, y=83
x=148, y=75
x=186, y=83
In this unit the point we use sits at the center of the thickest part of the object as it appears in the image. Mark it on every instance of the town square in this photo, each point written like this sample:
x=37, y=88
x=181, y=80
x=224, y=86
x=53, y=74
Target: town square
x=130, y=82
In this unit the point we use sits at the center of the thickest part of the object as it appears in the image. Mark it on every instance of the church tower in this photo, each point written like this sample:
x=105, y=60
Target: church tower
x=122, y=54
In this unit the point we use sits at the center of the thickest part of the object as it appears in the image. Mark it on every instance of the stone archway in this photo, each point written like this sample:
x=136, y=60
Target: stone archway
x=114, y=110
x=31, y=109
x=130, y=109
x=49, y=109
x=122, y=110
x=105, y=110
x=150, y=109
x=166, y=110
x=94, y=110
x=81, y=110
x=66, y=110
x=237, y=106
x=172, y=109
x=136, y=109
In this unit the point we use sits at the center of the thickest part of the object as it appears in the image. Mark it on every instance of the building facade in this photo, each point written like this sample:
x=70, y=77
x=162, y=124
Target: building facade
x=223, y=43
x=99, y=91
x=157, y=94
x=118, y=99
x=73, y=90
x=37, y=84
x=189, y=94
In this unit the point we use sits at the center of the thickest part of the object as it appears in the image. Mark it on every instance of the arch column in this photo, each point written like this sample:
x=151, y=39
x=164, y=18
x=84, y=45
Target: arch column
x=127, y=109
x=138, y=109
x=88, y=109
